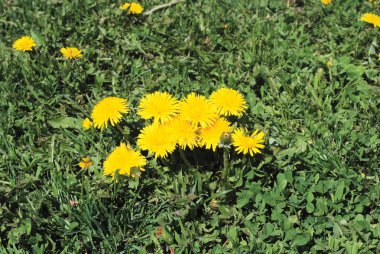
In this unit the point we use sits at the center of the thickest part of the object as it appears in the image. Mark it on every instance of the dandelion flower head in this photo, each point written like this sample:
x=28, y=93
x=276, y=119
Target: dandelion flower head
x=184, y=133
x=71, y=53
x=156, y=139
x=371, y=18
x=247, y=144
x=228, y=102
x=25, y=43
x=198, y=110
x=85, y=163
x=159, y=105
x=107, y=110
x=210, y=136
x=124, y=159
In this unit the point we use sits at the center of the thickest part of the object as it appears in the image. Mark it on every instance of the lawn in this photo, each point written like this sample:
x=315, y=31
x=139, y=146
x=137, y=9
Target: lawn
x=309, y=74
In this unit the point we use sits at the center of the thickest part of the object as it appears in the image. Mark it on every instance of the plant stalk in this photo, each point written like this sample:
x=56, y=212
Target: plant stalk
x=226, y=166
x=184, y=158
x=161, y=6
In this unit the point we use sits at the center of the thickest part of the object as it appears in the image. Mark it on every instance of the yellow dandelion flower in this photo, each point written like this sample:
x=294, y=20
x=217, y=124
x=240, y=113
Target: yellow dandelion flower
x=87, y=123
x=133, y=8
x=124, y=159
x=210, y=136
x=247, y=144
x=71, y=53
x=228, y=102
x=184, y=133
x=371, y=18
x=161, y=106
x=85, y=163
x=108, y=109
x=156, y=139
x=25, y=43
x=198, y=110
x=326, y=2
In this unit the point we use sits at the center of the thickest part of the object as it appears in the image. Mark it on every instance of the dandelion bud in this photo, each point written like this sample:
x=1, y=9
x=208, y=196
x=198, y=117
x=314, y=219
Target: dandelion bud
x=225, y=139
x=214, y=204
x=135, y=172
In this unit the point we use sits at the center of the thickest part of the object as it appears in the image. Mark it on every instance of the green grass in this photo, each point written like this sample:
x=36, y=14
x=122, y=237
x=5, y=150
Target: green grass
x=315, y=189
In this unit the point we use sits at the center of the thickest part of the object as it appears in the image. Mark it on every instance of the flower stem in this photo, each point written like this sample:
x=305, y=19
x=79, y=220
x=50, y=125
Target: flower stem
x=184, y=158
x=226, y=165
x=118, y=127
x=125, y=136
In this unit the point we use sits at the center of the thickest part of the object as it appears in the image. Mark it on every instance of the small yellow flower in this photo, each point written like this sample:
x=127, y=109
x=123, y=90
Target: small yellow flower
x=247, y=144
x=134, y=8
x=107, y=110
x=379, y=56
x=85, y=163
x=25, y=43
x=124, y=159
x=87, y=123
x=329, y=63
x=371, y=18
x=326, y=2
x=71, y=53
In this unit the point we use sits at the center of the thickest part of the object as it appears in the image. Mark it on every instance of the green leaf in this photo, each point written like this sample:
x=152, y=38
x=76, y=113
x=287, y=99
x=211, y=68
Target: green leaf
x=339, y=190
x=268, y=228
x=309, y=207
x=293, y=219
x=310, y=196
x=232, y=234
x=73, y=225
x=300, y=239
x=65, y=122
x=281, y=182
x=243, y=198
x=37, y=37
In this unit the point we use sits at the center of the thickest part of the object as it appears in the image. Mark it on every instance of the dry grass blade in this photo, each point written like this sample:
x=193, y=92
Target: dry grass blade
x=161, y=6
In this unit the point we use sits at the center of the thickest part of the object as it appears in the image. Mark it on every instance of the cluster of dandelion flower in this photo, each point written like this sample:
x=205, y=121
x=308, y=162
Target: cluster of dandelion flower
x=192, y=122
